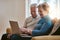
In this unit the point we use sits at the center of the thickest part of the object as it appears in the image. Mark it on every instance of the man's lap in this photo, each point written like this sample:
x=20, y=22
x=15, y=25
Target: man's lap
x=18, y=37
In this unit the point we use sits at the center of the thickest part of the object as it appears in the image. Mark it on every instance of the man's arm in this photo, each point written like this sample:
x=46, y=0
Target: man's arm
x=27, y=21
x=25, y=24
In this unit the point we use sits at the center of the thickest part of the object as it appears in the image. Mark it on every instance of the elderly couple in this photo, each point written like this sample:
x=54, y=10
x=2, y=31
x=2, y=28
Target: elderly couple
x=42, y=27
x=43, y=24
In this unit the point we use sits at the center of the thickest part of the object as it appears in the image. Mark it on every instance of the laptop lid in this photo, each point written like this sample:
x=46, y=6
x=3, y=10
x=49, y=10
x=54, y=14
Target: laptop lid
x=15, y=27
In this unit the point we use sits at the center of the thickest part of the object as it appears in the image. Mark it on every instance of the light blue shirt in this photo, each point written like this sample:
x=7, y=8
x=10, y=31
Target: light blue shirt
x=43, y=25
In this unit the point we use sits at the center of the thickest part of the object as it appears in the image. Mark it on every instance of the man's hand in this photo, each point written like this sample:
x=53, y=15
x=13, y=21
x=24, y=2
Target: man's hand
x=23, y=30
x=26, y=31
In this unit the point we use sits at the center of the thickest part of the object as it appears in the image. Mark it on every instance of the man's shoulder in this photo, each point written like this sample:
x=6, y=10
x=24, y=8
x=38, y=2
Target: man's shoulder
x=32, y=21
x=29, y=19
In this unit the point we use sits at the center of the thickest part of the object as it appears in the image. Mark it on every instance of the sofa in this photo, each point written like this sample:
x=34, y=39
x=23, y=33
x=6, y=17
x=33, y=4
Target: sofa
x=51, y=36
x=54, y=35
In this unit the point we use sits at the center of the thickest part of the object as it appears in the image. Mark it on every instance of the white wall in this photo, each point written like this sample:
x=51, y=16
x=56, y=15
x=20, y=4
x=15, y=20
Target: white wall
x=11, y=10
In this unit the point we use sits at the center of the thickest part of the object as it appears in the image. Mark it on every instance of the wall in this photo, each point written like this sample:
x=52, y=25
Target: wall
x=11, y=10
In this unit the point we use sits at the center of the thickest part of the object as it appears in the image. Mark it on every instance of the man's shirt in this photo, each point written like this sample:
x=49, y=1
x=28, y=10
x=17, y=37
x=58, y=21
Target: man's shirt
x=30, y=22
x=43, y=25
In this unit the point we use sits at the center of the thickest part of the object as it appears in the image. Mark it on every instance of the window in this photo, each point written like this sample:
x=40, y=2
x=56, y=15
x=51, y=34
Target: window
x=54, y=7
x=28, y=3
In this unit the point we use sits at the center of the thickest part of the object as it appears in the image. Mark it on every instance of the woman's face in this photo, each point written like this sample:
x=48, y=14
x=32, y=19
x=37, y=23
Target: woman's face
x=41, y=12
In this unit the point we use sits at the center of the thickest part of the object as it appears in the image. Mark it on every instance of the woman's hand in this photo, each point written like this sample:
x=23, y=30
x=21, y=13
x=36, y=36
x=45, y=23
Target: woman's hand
x=29, y=31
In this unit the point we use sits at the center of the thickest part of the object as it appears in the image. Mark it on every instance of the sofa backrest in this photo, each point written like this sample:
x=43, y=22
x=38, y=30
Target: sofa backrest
x=55, y=27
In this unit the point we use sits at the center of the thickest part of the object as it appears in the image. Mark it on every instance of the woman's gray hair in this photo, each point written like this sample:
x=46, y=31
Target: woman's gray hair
x=44, y=5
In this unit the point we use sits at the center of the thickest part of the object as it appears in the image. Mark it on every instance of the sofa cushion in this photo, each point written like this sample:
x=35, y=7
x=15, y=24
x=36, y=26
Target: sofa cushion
x=57, y=32
x=55, y=27
x=46, y=38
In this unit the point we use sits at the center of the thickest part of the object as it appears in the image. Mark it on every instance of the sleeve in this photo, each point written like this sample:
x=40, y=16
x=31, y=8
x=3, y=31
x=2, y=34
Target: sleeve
x=25, y=24
x=27, y=21
x=43, y=29
x=37, y=26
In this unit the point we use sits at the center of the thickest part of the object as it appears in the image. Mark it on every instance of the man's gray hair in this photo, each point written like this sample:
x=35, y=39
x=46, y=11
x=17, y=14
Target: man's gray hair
x=33, y=5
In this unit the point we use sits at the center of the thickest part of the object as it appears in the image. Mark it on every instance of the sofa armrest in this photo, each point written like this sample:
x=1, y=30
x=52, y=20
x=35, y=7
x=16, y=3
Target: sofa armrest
x=46, y=38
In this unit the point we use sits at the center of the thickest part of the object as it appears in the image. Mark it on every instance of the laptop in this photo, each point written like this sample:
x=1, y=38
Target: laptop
x=15, y=29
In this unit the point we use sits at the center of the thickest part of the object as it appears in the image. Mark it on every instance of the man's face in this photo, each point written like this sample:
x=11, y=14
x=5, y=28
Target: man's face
x=33, y=12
